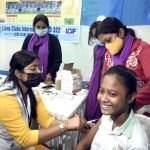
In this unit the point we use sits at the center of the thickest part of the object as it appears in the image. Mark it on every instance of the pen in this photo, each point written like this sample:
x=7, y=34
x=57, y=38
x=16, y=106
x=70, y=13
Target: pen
x=91, y=121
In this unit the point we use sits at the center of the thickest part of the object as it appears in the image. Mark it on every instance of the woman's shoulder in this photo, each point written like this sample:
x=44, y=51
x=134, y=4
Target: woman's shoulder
x=139, y=43
x=144, y=43
x=7, y=97
x=53, y=37
x=28, y=37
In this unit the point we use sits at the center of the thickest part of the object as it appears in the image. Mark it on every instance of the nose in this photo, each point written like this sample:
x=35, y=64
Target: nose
x=102, y=98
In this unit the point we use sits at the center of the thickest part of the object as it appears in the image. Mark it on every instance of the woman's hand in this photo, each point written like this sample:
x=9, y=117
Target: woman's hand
x=48, y=79
x=77, y=123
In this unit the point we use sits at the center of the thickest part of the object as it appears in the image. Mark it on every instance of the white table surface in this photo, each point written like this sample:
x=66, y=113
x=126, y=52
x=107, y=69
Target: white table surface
x=63, y=105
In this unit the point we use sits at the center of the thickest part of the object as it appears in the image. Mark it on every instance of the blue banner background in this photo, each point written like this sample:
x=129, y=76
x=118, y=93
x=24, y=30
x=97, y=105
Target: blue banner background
x=131, y=12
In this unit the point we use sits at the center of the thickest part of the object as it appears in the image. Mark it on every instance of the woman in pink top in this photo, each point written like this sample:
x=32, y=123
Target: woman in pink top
x=123, y=48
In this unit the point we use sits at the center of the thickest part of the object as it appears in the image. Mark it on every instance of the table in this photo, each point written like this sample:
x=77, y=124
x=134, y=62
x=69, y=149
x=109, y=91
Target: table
x=64, y=106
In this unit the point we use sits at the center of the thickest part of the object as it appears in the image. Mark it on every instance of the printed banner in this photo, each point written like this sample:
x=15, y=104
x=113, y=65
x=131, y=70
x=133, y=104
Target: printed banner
x=16, y=18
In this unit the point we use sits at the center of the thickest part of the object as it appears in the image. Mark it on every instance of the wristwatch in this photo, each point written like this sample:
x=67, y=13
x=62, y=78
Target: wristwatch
x=61, y=126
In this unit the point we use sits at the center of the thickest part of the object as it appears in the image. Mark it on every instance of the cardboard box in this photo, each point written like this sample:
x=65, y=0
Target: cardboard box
x=77, y=80
x=58, y=84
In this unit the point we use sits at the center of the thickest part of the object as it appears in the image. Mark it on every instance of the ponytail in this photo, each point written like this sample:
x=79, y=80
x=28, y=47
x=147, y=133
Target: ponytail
x=129, y=30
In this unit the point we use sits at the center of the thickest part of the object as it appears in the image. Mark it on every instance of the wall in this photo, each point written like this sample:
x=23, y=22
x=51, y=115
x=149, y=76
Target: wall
x=79, y=53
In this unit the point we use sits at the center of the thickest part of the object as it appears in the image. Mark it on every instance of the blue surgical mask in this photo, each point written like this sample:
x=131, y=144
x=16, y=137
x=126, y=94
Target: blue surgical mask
x=98, y=42
x=41, y=32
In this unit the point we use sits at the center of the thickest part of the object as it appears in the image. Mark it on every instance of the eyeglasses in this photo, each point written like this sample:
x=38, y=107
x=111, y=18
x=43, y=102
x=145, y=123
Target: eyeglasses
x=35, y=69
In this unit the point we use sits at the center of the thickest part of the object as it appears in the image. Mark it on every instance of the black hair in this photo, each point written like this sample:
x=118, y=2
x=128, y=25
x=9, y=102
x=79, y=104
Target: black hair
x=91, y=36
x=19, y=61
x=126, y=77
x=41, y=17
x=112, y=25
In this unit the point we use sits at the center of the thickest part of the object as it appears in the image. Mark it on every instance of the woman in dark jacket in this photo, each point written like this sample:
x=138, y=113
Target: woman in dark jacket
x=46, y=46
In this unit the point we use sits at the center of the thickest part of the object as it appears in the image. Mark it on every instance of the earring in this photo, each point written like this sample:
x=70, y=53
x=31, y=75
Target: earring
x=131, y=101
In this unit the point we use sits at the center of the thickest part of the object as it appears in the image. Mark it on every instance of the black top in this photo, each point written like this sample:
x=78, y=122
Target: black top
x=54, y=53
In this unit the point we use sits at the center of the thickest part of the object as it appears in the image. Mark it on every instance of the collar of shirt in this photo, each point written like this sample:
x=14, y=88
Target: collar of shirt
x=127, y=127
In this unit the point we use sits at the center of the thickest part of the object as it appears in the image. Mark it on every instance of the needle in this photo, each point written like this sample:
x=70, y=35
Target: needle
x=91, y=121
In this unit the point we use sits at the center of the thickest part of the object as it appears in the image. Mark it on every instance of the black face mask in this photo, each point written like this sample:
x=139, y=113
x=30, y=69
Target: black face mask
x=33, y=80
